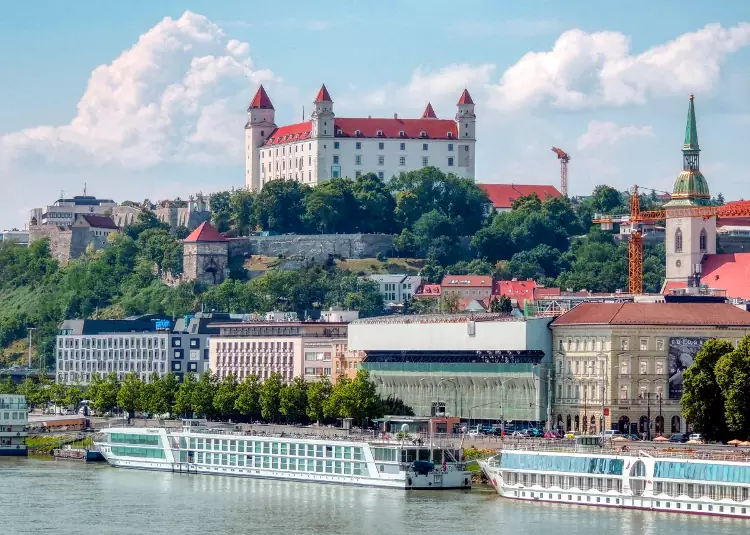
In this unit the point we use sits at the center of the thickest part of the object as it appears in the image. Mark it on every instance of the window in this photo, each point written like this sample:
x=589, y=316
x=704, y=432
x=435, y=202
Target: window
x=381, y=145
x=335, y=159
x=644, y=344
x=703, y=241
x=624, y=393
x=659, y=367
x=176, y=342
x=450, y=146
x=192, y=366
x=424, y=146
x=176, y=366
x=401, y=134
x=336, y=144
x=643, y=392
x=449, y=134
x=644, y=367
x=381, y=160
x=624, y=367
x=450, y=162
x=358, y=160
x=402, y=160
x=423, y=134
x=678, y=241
x=402, y=146
x=624, y=344
x=357, y=174
x=358, y=145
x=660, y=345
x=425, y=161
x=381, y=175
x=178, y=353
x=195, y=343
x=358, y=133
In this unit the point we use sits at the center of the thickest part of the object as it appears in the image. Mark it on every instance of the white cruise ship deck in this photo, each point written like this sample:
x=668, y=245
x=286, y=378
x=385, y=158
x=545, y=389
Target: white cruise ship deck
x=688, y=480
x=199, y=450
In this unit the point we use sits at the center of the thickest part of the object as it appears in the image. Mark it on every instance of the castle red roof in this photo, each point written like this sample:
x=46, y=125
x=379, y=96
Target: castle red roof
x=678, y=314
x=730, y=272
x=205, y=233
x=323, y=95
x=429, y=113
x=465, y=98
x=503, y=195
x=99, y=221
x=290, y=133
x=261, y=100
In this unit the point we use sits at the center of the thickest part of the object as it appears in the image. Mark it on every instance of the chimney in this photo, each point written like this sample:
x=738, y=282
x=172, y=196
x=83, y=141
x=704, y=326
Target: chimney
x=395, y=115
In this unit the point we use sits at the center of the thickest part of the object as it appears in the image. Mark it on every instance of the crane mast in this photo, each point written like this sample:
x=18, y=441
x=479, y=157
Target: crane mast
x=564, y=159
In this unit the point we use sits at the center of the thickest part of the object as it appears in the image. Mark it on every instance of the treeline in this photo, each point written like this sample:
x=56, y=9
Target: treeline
x=249, y=400
x=716, y=397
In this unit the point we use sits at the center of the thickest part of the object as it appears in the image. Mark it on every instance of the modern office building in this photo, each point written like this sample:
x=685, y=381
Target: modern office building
x=627, y=360
x=14, y=425
x=65, y=211
x=482, y=366
x=291, y=348
x=21, y=237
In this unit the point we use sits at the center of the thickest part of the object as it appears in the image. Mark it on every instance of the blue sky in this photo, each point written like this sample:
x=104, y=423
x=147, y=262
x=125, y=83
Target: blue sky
x=147, y=100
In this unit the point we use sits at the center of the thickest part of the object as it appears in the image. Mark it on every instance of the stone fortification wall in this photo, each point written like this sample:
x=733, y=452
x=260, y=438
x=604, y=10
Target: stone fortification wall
x=315, y=248
x=59, y=240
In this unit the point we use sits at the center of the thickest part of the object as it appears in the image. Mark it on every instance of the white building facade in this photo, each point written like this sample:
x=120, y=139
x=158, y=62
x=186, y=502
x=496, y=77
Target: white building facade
x=14, y=424
x=396, y=289
x=65, y=211
x=328, y=147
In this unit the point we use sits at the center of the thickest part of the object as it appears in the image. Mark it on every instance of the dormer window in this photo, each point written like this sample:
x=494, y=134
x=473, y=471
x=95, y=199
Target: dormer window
x=339, y=132
x=401, y=133
x=423, y=134
x=449, y=135
x=357, y=132
x=380, y=132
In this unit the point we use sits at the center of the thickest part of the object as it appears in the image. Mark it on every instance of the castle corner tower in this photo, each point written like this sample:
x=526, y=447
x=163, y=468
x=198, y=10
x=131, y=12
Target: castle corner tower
x=260, y=125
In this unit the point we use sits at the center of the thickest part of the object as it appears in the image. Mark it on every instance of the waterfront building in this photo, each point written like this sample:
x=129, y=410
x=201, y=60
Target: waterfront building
x=502, y=196
x=144, y=344
x=14, y=421
x=327, y=146
x=65, y=211
x=474, y=366
x=627, y=360
x=397, y=289
x=291, y=348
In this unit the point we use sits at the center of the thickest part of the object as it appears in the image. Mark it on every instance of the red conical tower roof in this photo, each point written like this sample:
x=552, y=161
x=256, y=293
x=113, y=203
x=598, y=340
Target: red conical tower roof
x=465, y=98
x=261, y=100
x=429, y=113
x=205, y=233
x=323, y=95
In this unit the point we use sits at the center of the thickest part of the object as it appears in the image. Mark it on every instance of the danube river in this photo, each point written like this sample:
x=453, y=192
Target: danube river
x=67, y=497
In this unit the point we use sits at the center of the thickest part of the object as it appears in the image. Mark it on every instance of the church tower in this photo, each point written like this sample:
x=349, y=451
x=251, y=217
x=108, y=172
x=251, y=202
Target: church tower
x=260, y=125
x=689, y=238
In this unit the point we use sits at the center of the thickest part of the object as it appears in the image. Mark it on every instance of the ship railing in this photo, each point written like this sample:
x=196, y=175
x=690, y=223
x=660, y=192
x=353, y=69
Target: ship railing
x=701, y=455
x=557, y=446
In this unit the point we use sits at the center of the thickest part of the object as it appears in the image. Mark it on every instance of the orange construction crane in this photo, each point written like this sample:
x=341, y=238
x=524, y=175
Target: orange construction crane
x=638, y=217
x=564, y=159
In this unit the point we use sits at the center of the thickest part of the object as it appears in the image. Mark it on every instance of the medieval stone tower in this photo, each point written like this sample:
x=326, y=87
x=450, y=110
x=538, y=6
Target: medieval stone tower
x=205, y=256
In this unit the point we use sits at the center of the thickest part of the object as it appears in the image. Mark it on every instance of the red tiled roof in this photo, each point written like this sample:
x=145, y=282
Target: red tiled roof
x=99, y=221
x=503, y=195
x=205, y=232
x=732, y=222
x=429, y=113
x=538, y=293
x=290, y=133
x=391, y=128
x=323, y=95
x=261, y=100
x=429, y=290
x=678, y=314
x=465, y=98
x=467, y=281
x=730, y=272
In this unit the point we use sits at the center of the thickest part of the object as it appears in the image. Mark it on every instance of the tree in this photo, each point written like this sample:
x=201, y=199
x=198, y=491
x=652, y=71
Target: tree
x=7, y=386
x=502, y=304
x=376, y=205
x=270, y=397
x=165, y=391
x=279, y=206
x=129, y=395
x=366, y=400
x=318, y=393
x=30, y=389
x=183, y=403
x=221, y=211
x=74, y=395
x=341, y=403
x=57, y=394
x=105, y=392
x=394, y=406
x=226, y=397
x=203, y=394
x=148, y=392
x=605, y=199
x=331, y=207
x=702, y=401
x=450, y=304
x=242, y=211
x=248, y=397
x=293, y=400
x=733, y=377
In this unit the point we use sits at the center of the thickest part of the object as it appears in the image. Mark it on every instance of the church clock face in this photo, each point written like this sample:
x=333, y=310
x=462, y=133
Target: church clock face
x=678, y=263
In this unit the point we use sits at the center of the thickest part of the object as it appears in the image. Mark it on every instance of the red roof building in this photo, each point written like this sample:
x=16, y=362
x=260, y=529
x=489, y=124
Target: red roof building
x=517, y=291
x=428, y=290
x=677, y=314
x=327, y=146
x=502, y=195
x=470, y=287
x=730, y=272
x=205, y=233
x=99, y=222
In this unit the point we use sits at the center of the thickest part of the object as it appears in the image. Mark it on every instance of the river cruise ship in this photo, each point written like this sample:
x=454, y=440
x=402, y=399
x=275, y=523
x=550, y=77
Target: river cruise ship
x=14, y=425
x=407, y=464
x=678, y=479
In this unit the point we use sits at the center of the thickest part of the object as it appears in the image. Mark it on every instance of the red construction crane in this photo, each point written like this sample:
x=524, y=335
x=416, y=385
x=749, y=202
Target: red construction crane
x=638, y=217
x=564, y=159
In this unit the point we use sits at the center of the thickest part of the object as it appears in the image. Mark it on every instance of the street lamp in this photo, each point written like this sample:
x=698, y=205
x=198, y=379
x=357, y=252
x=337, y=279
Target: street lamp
x=455, y=385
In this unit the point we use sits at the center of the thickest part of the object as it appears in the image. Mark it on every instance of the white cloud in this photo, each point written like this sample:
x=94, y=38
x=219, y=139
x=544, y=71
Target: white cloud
x=609, y=133
x=174, y=96
x=586, y=70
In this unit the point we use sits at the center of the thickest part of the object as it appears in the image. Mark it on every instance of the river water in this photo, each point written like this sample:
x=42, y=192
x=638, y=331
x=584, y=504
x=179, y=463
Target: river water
x=68, y=497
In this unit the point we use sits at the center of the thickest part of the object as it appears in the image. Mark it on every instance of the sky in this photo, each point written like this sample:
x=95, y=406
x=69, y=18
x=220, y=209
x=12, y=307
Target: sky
x=137, y=100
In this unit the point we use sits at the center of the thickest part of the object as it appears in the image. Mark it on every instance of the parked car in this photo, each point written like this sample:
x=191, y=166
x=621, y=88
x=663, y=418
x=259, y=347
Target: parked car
x=679, y=437
x=698, y=437
x=475, y=434
x=612, y=433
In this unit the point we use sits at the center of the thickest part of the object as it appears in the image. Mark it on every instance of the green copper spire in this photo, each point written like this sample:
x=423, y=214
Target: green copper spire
x=691, y=187
x=691, y=130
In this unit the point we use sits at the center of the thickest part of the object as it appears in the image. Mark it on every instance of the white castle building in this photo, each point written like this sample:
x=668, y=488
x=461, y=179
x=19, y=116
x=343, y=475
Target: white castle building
x=327, y=146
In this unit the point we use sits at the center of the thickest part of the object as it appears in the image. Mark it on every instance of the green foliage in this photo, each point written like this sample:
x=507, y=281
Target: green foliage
x=248, y=398
x=183, y=402
x=393, y=406
x=733, y=377
x=318, y=393
x=293, y=400
x=270, y=397
x=702, y=401
x=204, y=393
x=280, y=206
x=129, y=395
x=225, y=399
x=7, y=386
x=104, y=392
x=502, y=304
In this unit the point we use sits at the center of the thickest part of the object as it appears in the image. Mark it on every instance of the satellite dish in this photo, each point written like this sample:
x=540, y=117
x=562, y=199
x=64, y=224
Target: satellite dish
x=404, y=428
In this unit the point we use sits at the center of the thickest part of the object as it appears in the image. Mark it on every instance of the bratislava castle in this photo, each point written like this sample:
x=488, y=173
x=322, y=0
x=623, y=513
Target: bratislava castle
x=327, y=146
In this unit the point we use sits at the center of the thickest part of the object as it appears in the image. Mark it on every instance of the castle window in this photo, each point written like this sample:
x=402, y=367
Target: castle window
x=703, y=241
x=402, y=160
x=335, y=159
x=450, y=147
x=424, y=146
x=357, y=174
x=401, y=133
x=262, y=133
x=339, y=132
x=450, y=162
x=380, y=132
x=357, y=132
x=678, y=241
x=336, y=144
x=358, y=145
x=381, y=146
x=423, y=134
x=381, y=175
x=358, y=160
x=425, y=161
x=402, y=146
x=381, y=160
